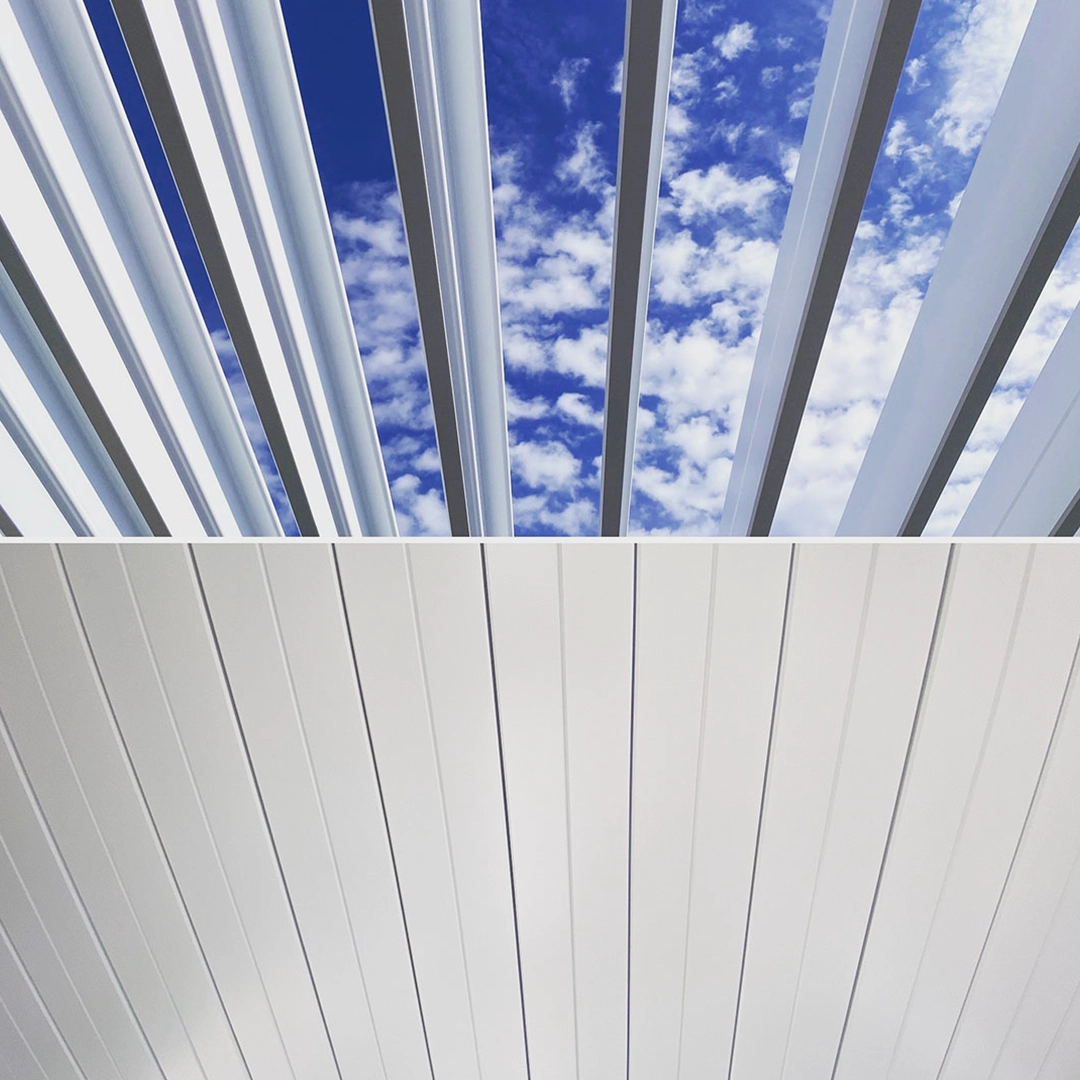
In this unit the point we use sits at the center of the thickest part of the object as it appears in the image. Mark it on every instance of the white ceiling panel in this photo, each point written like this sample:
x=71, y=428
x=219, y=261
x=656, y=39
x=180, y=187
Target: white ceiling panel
x=748, y=604
x=574, y=811
x=977, y=630
x=149, y=723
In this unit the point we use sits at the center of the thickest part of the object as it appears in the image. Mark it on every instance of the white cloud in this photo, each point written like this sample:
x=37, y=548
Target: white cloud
x=547, y=465
x=696, y=194
x=419, y=512
x=577, y=407
x=566, y=78
x=738, y=38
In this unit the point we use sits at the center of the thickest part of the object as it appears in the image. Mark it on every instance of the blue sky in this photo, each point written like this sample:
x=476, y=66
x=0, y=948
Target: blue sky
x=742, y=80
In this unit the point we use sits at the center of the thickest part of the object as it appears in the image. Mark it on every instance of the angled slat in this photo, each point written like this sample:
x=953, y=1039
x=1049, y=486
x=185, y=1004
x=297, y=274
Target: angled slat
x=43, y=416
x=43, y=268
x=65, y=736
x=864, y=54
x=1032, y=487
x=1063, y=1057
x=597, y=586
x=431, y=64
x=262, y=957
x=647, y=54
x=1018, y=210
x=1041, y=889
x=674, y=619
x=277, y=686
x=220, y=86
x=419, y=633
x=28, y=1043
x=986, y=587
x=28, y=506
x=76, y=136
x=747, y=626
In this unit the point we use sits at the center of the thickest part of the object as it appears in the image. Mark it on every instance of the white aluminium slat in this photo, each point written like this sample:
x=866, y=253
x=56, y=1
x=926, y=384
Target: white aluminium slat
x=1032, y=487
x=823, y=640
x=1022, y=722
x=80, y=146
x=747, y=615
x=25, y=499
x=50, y=262
x=445, y=57
x=148, y=725
x=178, y=631
x=210, y=84
x=43, y=892
x=77, y=764
x=896, y=638
x=647, y=55
x=56, y=438
x=975, y=635
x=597, y=588
x=1035, y=894
x=864, y=54
x=274, y=690
x=402, y=712
x=526, y=632
x=1018, y=210
x=1063, y=1057
x=15, y=1049
x=674, y=620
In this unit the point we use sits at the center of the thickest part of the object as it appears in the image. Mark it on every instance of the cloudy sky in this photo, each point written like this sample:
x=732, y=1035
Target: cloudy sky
x=742, y=82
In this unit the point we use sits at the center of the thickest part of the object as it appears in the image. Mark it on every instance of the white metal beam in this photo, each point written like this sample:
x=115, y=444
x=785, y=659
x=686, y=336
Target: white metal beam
x=647, y=55
x=65, y=115
x=431, y=60
x=221, y=88
x=1018, y=210
x=861, y=64
x=1032, y=487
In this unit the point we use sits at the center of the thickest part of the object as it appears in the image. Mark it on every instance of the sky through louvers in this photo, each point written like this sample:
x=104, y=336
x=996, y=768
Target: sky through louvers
x=742, y=82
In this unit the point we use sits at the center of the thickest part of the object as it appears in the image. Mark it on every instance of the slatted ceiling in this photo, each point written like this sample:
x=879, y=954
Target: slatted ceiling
x=114, y=1047
x=1037, y=892
x=121, y=645
x=47, y=991
x=978, y=624
x=50, y=1060
x=307, y=601
x=79, y=144
x=379, y=600
x=672, y=640
x=527, y=638
x=829, y=599
x=452, y=631
x=59, y=723
x=1025, y=712
x=747, y=611
x=597, y=615
x=1042, y=1037
x=269, y=712
x=904, y=594
x=261, y=956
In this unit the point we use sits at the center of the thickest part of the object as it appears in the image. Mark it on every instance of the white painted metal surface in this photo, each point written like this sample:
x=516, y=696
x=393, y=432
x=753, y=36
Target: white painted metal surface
x=1026, y=183
x=1033, y=482
x=864, y=54
x=279, y=811
x=220, y=83
x=63, y=110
